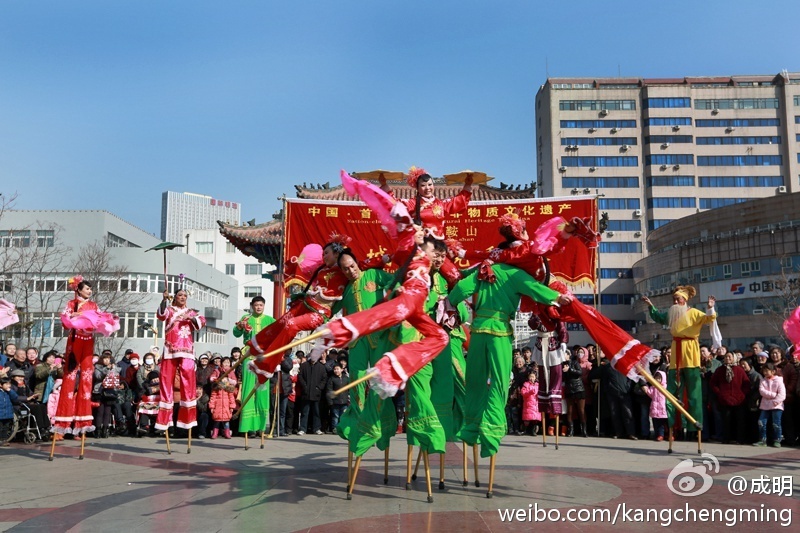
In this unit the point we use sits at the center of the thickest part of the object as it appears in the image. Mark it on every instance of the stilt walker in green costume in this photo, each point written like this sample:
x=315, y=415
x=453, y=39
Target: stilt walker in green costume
x=254, y=414
x=489, y=355
x=369, y=420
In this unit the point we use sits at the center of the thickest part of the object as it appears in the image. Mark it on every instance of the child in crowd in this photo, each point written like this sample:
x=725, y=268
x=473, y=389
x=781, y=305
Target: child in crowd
x=148, y=406
x=658, y=405
x=773, y=393
x=530, y=402
x=203, y=416
x=52, y=401
x=8, y=398
x=222, y=404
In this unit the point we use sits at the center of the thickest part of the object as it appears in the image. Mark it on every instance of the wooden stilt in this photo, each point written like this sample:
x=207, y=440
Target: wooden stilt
x=441, y=471
x=349, y=468
x=491, y=475
x=670, y=439
x=544, y=430
x=245, y=442
x=356, y=383
x=275, y=409
x=475, y=463
x=247, y=399
x=386, y=466
x=699, y=442
x=53, y=447
x=428, y=476
x=166, y=434
x=558, y=419
x=408, y=467
x=83, y=445
x=466, y=470
x=353, y=479
x=416, y=466
x=189, y=442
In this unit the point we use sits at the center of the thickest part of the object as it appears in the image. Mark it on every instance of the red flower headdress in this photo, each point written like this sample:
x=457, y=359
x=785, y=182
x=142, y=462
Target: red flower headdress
x=339, y=241
x=511, y=223
x=413, y=176
x=73, y=282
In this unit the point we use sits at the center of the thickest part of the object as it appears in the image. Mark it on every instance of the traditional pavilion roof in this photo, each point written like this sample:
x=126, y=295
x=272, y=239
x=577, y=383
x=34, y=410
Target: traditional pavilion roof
x=263, y=241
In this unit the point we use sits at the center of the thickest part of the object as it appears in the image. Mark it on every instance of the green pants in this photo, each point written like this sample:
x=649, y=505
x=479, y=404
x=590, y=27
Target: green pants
x=443, y=389
x=423, y=428
x=487, y=381
x=689, y=393
x=459, y=383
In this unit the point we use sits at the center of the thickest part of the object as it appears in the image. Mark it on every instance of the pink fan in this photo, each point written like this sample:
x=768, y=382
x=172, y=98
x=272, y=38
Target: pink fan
x=792, y=328
x=310, y=259
x=108, y=324
x=93, y=321
x=8, y=314
x=547, y=236
x=378, y=200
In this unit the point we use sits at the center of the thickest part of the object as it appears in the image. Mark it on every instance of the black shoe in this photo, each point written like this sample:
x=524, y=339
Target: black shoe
x=570, y=432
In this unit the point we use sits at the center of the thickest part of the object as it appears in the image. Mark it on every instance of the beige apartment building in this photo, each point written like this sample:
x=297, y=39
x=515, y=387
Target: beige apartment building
x=658, y=150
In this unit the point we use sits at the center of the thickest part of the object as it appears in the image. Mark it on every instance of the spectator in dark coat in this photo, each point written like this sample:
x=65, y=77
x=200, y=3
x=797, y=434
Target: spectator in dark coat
x=338, y=403
x=312, y=378
x=616, y=389
x=731, y=387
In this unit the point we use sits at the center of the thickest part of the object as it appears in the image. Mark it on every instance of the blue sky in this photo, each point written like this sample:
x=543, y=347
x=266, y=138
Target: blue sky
x=104, y=105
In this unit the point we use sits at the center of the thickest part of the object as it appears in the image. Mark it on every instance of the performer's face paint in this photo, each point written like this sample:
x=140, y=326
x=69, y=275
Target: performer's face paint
x=258, y=308
x=180, y=298
x=85, y=292
x=425, y=188
x=350, y=268
x=329, y=257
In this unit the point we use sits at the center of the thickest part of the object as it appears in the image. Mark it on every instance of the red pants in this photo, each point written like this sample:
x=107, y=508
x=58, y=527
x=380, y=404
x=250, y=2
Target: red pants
x=404, y=361
x=187, y=415
x=280, y=333
x=76, y=405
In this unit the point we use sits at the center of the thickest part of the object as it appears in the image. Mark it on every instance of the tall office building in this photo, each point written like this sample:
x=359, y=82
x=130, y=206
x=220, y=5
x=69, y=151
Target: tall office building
x=657, y=150
x=185, y=211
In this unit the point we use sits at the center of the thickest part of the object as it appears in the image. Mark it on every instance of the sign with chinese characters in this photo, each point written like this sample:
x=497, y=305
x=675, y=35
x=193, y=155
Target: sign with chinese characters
x=313, y=221
x=753, y=287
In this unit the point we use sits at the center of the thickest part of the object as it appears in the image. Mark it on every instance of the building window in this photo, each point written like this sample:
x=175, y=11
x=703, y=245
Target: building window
x=745, y=269
x=593, y=183
x=204, y=247
x=598, y=124
x=737, y=103
x=45, y=238
x=115, y=241
x=619, y=203
x=599, y=141
x=600, y=161
x=764, y=139
x=796, y=99
x=620, y=247
x=727, y=271
x=668, y=121
x=738, y=122
x=671, y=202
x=707, y=274
x=624, y=225
x=669, y=159
x=251, y=292
x=786, y=262
x=670, y=181
x=596, y=105
x=616, y=273
x=741, y=181
x=738, y=160
x=616, y=299
x=671, y=139
x=15, y=238
x=230, y=269
x=657, y=223
x=230, y=248
x=253, y=270
x=667, y=102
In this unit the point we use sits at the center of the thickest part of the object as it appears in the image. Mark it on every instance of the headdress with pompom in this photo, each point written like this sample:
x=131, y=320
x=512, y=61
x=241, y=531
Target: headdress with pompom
x=413, y=176
x=74, y=281
x=339, y=241
x=510, y=223
x=686, y=291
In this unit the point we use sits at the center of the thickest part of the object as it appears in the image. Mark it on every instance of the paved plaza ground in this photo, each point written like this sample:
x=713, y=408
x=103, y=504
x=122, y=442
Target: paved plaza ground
x=299, y=484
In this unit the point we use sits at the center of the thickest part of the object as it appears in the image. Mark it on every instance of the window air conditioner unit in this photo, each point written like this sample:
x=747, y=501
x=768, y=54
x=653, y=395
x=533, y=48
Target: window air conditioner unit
x=663, y=167
x=592, y=130
x=715, y=111
x=625, y=147
x=562, y=169
x=614, y=130
x=665, y=145
x=676, y=167
x=573, y=146
x=604, y=112
x=676, y=128
x=609, y=234
x=729, y=129
x=637, y=234
x=592, y=169
x=637, y=213
x=781, y=189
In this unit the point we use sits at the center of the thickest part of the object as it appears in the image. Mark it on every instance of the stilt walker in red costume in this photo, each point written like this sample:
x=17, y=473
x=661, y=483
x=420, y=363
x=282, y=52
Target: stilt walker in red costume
x=180, y=323
x=310, y=310
x=430, y=212
x=82, y=319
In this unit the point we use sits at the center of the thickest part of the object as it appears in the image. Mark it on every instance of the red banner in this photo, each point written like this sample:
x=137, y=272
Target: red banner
x=312, y=221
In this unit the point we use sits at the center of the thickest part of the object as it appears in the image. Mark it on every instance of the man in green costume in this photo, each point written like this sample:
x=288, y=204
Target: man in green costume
x=368, y=420
x=254, y=415
x=489, y=354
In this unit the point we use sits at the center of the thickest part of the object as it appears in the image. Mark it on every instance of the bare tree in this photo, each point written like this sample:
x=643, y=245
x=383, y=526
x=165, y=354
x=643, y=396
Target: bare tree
x=781, y=296
x=110, y=282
